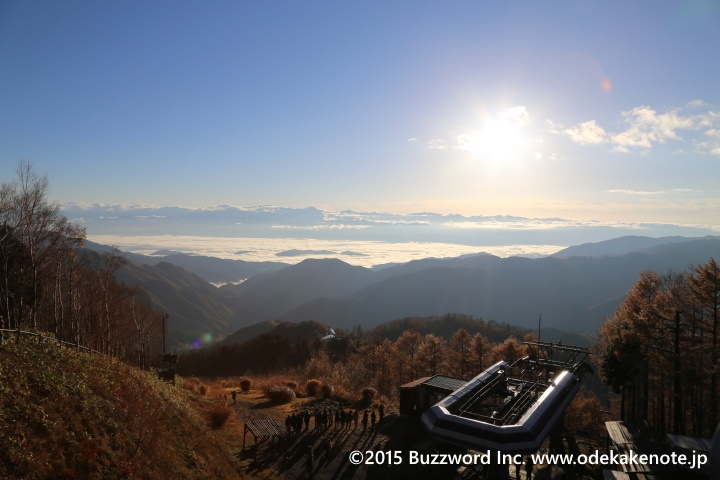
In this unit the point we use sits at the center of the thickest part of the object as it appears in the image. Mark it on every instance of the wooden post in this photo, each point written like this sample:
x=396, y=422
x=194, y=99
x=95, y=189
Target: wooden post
x=163, y=325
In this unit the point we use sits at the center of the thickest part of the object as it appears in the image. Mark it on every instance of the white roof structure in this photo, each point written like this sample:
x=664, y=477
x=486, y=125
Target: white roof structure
x=510, y=409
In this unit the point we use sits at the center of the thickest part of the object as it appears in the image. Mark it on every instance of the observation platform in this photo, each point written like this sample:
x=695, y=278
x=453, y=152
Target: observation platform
x=510, y=408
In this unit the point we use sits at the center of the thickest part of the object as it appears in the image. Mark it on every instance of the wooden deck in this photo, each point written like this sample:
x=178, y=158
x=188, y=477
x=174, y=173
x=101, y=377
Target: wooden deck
x=639, y=439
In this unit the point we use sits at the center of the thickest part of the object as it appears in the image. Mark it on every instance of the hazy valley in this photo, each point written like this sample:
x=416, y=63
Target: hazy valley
x=573, y=290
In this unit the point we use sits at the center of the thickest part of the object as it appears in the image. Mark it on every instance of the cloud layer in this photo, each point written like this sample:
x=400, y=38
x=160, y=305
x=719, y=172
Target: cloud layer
x=268, y=233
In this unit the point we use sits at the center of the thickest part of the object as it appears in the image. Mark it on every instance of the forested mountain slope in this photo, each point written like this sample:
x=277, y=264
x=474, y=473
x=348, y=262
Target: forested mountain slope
x=575, y=293
x=571, y=292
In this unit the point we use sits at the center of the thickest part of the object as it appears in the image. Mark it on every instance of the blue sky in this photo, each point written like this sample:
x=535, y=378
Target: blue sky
x=584, y=110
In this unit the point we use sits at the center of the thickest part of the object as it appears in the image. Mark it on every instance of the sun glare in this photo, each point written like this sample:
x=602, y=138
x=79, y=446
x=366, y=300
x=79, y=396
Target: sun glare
x=500, y=139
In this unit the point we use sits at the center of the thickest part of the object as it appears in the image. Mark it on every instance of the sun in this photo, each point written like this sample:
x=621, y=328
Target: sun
x=500, y=139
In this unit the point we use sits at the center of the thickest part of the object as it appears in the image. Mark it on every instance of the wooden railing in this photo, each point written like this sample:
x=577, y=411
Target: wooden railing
x=7, y=333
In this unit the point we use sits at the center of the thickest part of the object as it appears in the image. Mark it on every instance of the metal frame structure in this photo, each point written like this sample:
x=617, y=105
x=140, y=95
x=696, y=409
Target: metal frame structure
x=511, y=408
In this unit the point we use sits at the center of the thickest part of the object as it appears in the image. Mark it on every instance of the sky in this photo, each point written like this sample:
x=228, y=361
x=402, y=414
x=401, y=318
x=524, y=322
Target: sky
x=595, y=112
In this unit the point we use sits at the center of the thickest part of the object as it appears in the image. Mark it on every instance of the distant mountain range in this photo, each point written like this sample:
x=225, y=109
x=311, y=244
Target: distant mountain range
x=575, y=289
x=619, y=246
x=213, y=270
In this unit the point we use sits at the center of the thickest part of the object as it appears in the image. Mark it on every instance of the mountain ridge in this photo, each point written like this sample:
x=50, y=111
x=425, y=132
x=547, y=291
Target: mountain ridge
x=569, y=291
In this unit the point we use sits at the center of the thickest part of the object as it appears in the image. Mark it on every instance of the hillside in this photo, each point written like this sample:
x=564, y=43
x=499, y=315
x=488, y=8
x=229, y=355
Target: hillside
x=294, y=332
x=574, y=293
x=573, y=290
x=66, y=414
x=196, y=307
x=617, y=246
x=211, y=269
x=267, y=295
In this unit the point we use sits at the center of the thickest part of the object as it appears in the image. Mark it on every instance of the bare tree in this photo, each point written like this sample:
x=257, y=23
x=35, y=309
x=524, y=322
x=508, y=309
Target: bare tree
x=27, y=218
x=48, y=283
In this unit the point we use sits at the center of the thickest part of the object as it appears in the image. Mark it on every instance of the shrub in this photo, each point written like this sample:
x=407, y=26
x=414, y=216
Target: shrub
x=327, y=390
x=342, y=395
x=245, y=384
x=368, y=394
x=278, y=393
x=219, y=415
x=191, y=384
x=312, y=387
x=194, y=385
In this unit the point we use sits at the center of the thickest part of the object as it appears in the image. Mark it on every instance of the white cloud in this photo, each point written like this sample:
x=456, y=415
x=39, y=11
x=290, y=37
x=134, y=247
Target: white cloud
x=436, y=144
x=647, y=127
x=713, y=144
x=653, y=192
x=708, y=120
x=554, y=127
x=529, y=225
x=644, y=128
x=320, y=227
x=521, y=223
x=517, y=115
x=379, y=237
x=267, y=249
x=461, y=141
x=454, y=141
x=587, y=133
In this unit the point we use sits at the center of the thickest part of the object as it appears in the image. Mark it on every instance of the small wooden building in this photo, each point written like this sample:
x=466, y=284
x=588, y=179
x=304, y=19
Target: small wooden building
x=421, y=394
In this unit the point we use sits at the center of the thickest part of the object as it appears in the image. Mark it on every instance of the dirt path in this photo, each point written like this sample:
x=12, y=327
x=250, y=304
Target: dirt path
x=287, y=458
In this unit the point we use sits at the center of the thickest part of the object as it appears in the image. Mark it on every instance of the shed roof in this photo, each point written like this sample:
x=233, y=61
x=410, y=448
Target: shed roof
x=264, y=428
x=443, y=382
x=414, y=383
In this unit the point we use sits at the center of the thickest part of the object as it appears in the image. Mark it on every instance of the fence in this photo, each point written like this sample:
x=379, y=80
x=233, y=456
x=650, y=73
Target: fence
x=6, y=333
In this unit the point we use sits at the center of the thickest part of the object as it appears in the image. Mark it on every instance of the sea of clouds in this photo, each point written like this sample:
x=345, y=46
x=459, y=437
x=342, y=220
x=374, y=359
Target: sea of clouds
x=293, y=250
x=289, y=235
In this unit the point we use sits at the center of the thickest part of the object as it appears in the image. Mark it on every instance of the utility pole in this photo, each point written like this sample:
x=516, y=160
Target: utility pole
x=163, y=326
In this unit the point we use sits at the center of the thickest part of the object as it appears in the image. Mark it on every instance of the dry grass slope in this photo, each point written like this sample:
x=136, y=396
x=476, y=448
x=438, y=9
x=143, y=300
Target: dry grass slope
x=65, y=414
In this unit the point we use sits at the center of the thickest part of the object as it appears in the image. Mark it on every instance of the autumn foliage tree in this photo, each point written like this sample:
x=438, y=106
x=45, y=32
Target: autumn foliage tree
x=659, y=351
x=510, y=350
x=432, y=355
x=479, y=354
x=705, y=287
x=460, y=354
x=406, y=350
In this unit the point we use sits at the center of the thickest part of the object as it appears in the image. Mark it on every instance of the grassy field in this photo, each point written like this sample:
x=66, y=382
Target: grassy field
x=66, y=414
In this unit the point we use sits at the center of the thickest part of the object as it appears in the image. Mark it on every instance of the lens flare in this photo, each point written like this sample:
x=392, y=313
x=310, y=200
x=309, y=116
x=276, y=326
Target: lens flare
x=205, y=339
